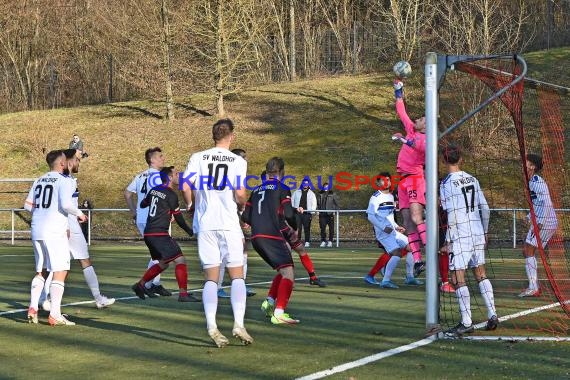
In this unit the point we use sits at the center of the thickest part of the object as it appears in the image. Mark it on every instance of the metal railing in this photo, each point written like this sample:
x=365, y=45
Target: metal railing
x=349, y=224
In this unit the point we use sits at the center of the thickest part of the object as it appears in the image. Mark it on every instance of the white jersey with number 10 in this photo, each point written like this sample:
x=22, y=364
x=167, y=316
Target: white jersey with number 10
x=215, y=174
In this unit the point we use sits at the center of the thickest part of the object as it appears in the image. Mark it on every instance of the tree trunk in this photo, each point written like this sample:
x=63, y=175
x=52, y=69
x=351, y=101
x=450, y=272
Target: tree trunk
x=220, y=63
x=292, y=53
x=166, y=60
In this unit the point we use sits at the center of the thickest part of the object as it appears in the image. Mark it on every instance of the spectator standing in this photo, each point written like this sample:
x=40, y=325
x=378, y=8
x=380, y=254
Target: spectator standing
x=305, y=202
x=327, y=200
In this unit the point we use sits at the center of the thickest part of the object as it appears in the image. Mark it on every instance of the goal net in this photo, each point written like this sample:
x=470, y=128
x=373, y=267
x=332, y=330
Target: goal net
x=529, y=117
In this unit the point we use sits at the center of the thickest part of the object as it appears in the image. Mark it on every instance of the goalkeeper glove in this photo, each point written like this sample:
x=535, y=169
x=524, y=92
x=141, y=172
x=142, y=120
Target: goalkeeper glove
x=400, y=138
x=398, y=88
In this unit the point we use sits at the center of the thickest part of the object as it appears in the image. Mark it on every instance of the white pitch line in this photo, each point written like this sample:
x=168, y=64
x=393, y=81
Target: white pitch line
x=368, y=359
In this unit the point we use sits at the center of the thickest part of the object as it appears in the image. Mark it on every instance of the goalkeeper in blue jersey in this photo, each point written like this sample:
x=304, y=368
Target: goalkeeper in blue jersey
x=546, y=222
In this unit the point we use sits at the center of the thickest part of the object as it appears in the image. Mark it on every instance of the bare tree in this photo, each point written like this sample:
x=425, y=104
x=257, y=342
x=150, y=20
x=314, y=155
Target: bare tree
x=166, y=59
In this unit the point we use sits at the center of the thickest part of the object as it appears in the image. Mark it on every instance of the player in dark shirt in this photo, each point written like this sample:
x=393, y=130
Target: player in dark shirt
x=268, y=204
x=163, y=205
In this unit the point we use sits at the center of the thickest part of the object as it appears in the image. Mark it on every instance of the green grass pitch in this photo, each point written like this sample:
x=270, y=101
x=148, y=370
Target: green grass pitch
x=161, y=338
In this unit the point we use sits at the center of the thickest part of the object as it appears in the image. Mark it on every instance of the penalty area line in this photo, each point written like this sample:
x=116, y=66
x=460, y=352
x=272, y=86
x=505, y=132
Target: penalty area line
x=368, y=359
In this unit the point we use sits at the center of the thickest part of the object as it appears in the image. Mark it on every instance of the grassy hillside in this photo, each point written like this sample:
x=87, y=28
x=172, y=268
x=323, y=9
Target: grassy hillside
x=320, y=127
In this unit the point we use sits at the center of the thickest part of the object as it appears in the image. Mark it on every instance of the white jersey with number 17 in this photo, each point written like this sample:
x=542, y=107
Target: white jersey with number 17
x=215, y=174
x=48, y=197
x=467, y=209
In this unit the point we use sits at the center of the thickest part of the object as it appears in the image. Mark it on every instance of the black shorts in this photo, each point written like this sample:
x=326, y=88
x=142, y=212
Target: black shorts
x=162, y=247
x=273, y=251
x=292, y=237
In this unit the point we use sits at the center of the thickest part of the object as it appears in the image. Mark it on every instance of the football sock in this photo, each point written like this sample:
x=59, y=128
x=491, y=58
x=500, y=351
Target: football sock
x=443, y=260
x=486, y=289
x=151, y=273
x=238, y=297
x=47, y=285
x=56, y=291
x=308, y=264
x=464, y=300
x=284, y=293
x=92, y=281
x=275, y=286
x=222, y=274
x=392, y=263
x=181, y=273
x=156, y=280
x=409, y=265
x=210, y=301
x=380, y=263
x=36, y=291
x=414, y=241
x=422, y=232
x=530, y=266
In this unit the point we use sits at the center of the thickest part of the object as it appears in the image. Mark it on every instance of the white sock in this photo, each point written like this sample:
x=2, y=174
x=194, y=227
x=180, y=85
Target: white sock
x=92, y=282
x=56, y=291
x=531, y=272
x=222, y=274
x=278, y=312
x=210, y=301
x=36, y=291
x=486, y=289
x=155, y=281
x=47, y=285
x=238, y=297
x=392, y=263
x=409, y=265
x=464, y=300
x=244, y=265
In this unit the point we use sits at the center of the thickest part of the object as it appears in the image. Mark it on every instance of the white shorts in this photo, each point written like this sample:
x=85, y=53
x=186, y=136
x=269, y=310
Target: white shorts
x=78, y=246
x=545, y=235
x=52, y=254
x=467, y=252
x=215, y=246
x=392, y=241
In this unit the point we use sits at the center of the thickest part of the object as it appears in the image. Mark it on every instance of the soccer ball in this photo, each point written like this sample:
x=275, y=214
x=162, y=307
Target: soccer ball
x=402, y=69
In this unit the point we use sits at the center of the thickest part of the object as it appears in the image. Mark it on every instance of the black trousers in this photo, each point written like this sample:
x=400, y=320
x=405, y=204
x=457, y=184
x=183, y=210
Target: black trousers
x=325, y=220
x=304, y=223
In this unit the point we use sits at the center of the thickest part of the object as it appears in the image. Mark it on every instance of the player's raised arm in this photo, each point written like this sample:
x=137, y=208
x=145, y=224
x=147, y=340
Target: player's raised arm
x=401, y=108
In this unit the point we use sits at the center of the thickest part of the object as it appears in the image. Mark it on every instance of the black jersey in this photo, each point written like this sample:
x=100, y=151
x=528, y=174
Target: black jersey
x=162, y=203
x=268, y=205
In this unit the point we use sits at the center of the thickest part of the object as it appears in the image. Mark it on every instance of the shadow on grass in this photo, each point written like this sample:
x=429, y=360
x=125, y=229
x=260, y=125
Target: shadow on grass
x=139, y=109
x=192, y=109
x=98, y=323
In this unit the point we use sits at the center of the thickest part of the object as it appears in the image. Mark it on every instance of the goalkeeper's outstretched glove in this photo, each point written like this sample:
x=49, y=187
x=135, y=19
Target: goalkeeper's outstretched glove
x=398, y=88
x=398, y=137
